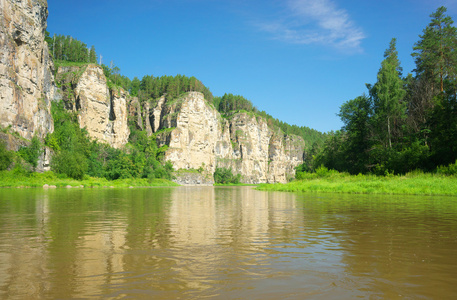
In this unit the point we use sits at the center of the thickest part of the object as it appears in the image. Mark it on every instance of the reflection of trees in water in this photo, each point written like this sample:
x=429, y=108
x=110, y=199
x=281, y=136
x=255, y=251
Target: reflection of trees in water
x=397, y=245
x=81, y=243
x=167, y=242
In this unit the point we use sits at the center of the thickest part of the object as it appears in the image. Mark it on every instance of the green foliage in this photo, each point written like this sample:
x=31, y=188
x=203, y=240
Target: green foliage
x=77, y=156
x=332, y=154
x=443, y=136
x=173, y=86
x=411, y=157
x=67, y=48
x=322, y=171
x=387, y=97
x=32, y=152
x=230, y=102
x=92, y=55
x=435, y=54
x=413, y=183
x=356, y=115
x=71, y=163
x=6, y=157
x=225, y=176
x=121, y=166
x=19, y=177
x=449, y=170
x=406, y=123
x=135, y=86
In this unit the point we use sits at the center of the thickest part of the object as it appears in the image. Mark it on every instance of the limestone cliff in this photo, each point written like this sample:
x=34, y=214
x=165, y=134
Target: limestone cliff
x=101, y=110
x=26, y=80
x=199, y=138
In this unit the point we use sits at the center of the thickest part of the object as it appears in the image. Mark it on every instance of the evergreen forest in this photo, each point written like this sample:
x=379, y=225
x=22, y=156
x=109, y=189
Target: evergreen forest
x=402, y=122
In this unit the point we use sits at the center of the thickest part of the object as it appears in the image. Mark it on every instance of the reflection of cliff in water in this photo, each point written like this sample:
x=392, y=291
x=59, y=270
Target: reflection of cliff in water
x=195, y=242
x=81, y=243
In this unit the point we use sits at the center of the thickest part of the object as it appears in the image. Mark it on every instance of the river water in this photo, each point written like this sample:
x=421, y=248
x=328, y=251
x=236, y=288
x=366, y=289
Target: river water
x=224, y=243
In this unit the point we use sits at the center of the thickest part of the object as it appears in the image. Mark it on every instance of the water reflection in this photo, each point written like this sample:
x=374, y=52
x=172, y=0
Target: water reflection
x=224, y=243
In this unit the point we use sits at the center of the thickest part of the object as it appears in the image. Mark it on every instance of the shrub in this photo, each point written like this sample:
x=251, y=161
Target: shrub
x=31, y=153
x=224, y=176
x=322, y=171
x=6, y=157
x=447, y=170
x=72, y=164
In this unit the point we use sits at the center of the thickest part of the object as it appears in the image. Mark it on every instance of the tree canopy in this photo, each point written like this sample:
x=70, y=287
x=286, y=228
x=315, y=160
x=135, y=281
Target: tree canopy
x=406, y=123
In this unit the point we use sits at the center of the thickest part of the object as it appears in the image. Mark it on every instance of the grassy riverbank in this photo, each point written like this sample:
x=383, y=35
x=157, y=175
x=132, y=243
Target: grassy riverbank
x=415, y=183
x=23, y=179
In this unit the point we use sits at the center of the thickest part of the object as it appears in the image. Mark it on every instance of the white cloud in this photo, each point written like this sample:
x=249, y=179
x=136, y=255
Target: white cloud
x=316, y=22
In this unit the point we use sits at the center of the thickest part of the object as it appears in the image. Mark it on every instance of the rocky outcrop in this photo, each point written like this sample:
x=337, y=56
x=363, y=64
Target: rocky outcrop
x=196, y=128
x=196, y=136
x=101, y=110
x=199, y=138
x=26, y=80
x=193, y=177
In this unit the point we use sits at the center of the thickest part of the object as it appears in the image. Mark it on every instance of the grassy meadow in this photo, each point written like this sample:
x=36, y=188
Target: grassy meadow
x=414, y=183
x=24, y=179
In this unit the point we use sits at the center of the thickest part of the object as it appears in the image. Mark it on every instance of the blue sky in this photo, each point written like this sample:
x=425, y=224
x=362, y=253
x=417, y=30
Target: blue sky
x=298, y=60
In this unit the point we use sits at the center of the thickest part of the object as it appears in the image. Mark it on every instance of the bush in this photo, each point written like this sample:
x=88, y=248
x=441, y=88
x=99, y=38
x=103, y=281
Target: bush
x=31, y=153
x=323, y=172
x=72, y=164
x=447, y=170
x=6, y=157
x=225, y=176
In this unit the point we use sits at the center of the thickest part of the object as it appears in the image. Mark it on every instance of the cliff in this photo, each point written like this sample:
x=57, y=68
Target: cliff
x=199, y=138
x=101, y=110
x=26, y=80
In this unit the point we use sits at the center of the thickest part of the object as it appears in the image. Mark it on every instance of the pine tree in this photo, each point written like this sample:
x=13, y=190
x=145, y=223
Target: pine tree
x=435, y=53
x=92, y=55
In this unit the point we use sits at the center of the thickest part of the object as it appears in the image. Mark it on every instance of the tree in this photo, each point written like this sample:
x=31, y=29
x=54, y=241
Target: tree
x=436, y=61
x=419, y=103
x=332, y=154
x=225, y=176
x=92, y=55
x=387, y=94
x=435, y=54
x=32, y=153
x=6, y=157
x=135, y=86
x=356, y=115
x=71, y=163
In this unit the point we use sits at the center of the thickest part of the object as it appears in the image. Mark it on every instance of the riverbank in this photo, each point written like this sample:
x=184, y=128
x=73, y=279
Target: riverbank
x=234, y=184
x=20, y=179
x=415, y=183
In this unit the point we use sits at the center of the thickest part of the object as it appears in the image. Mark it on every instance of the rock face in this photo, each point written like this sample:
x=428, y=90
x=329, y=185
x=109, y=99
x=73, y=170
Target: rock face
x=199, y=138
x=26, y=80
x=102, y=111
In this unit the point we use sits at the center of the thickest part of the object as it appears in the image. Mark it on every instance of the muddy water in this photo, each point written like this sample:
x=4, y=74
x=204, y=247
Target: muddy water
x=224, y=243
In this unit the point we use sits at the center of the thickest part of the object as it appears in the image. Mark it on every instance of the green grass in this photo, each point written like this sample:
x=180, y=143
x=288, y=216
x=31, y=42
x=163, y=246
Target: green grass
x=22, y=179
x=333, y=182
x=64, y=63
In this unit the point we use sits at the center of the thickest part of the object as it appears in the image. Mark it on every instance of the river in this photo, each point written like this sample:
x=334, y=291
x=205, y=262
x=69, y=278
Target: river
x=224, y=243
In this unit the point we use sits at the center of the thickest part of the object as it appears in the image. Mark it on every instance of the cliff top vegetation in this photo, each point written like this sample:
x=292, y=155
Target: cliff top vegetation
x=68, y=51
